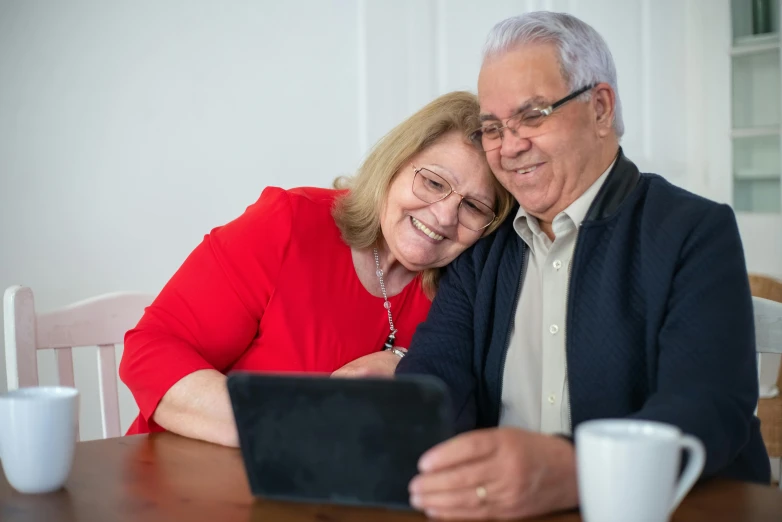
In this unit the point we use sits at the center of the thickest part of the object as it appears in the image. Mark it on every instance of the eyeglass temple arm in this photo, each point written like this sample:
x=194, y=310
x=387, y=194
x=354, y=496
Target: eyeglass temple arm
x=548, y=110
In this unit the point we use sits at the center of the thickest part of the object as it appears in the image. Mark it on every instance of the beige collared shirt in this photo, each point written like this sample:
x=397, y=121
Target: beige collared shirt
x=534, y=387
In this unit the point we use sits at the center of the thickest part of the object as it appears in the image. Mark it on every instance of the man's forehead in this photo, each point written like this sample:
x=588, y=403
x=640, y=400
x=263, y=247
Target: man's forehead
x=522, y=78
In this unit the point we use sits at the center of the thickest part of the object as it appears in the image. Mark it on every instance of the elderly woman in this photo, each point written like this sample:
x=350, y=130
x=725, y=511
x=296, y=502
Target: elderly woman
x=316, y=280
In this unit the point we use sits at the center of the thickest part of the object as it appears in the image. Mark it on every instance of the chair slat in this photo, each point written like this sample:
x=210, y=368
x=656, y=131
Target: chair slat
x=768, y=325
x=65, y=366
x=64, y=358
x=20, y=345
x=107, y=383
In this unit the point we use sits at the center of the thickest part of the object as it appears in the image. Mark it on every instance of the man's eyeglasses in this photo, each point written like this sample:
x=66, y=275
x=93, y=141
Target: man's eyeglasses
x=431, y=188
x=489, y=137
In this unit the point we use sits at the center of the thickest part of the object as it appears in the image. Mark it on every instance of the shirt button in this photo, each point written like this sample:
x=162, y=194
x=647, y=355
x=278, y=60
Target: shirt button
x=557, y=264
x=552, y=398
x=553, y=329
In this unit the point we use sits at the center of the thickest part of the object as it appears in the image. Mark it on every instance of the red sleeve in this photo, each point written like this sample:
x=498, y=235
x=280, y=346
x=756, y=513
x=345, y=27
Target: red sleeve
x=208, y=313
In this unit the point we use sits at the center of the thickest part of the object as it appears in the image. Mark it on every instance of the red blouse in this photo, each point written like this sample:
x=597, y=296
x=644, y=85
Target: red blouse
x=274, y=290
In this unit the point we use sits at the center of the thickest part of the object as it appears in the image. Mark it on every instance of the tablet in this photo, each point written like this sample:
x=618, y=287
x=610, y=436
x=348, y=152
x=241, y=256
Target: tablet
x=343, y=441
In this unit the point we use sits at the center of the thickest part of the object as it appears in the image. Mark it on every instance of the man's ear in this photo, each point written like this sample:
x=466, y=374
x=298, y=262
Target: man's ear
x=604, y=102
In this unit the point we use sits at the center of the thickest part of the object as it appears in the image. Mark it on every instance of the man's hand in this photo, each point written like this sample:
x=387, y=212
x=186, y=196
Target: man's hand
x=378, y=364
x=496, y=473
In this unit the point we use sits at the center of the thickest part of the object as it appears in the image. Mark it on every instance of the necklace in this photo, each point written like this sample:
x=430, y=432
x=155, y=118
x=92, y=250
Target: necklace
x=389, y=344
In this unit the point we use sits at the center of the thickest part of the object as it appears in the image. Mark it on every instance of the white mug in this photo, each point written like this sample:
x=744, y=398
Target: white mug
x=628, y=469
x=38, y=436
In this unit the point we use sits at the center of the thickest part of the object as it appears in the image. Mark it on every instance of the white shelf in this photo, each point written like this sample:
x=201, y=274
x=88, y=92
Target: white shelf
x=754, y=49
x=755, y=44
x=755, y=175
x=756, y=132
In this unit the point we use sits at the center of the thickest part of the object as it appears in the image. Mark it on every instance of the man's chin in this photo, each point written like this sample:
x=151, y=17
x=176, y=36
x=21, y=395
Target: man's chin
x=533, y=206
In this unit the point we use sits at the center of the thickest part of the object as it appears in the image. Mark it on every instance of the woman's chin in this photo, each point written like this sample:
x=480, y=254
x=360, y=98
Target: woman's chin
x=419, y=263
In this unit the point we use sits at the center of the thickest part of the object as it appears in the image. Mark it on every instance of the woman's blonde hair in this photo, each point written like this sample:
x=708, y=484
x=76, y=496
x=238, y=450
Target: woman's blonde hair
x=357, y=213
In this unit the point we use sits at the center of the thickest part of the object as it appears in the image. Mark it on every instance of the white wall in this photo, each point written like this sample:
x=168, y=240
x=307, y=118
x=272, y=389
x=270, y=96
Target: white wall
x=129, y=129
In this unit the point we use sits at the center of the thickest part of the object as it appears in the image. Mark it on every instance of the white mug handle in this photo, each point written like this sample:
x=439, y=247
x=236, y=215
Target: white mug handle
x=693, y=470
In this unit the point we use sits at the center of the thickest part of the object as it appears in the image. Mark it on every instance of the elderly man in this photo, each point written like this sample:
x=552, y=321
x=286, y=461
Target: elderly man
x=610, y=293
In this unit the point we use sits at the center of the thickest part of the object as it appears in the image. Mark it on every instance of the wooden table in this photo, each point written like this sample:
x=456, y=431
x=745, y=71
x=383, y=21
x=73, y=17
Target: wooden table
x=166, y=477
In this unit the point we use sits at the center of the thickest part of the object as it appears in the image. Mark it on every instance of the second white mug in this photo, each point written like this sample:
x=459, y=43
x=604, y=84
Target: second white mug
x=38, y=436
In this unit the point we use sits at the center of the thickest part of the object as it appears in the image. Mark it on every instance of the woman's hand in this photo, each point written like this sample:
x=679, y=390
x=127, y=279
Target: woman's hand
x=378, y=364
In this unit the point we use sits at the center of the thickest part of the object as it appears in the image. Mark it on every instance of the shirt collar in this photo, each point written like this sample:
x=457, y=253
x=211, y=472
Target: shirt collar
x=577, y=210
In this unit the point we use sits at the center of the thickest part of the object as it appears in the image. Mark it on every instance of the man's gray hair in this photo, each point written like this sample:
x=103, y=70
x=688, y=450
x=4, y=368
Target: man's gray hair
x=584, y=56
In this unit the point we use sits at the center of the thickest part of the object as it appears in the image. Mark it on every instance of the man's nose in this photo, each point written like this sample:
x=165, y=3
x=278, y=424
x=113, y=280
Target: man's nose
x=513, y=144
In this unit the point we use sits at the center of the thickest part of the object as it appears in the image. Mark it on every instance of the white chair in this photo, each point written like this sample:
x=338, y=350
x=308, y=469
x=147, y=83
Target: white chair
x=100, y=321
x=768, y=337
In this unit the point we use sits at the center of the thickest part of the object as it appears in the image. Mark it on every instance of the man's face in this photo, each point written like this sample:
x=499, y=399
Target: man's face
x=542, y=166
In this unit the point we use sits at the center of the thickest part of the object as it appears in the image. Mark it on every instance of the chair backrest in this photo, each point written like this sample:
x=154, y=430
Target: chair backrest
x=768, y=339
x=766, y=287
x=100, y=321
x=768, y=325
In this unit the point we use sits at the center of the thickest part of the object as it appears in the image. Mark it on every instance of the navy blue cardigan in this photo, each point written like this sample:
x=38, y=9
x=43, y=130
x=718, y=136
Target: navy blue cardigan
x=659, y=321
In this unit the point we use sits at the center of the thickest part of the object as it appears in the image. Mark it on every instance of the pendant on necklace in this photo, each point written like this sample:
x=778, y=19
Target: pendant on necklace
x=390, y=341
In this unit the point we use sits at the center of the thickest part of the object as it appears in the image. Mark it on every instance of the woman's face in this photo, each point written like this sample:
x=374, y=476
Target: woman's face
x=424, y=235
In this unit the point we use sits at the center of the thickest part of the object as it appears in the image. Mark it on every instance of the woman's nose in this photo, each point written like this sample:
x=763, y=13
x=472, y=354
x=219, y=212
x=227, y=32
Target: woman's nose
x=447, y=210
